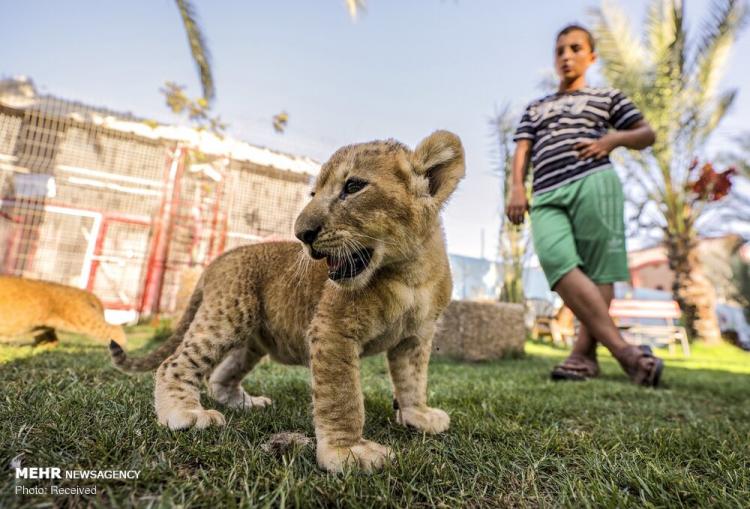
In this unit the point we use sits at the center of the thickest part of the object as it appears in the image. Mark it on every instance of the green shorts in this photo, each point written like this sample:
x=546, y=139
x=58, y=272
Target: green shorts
x=581, y=225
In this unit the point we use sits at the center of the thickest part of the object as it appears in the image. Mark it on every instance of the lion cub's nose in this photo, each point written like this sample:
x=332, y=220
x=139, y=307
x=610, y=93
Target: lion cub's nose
x=308, y=236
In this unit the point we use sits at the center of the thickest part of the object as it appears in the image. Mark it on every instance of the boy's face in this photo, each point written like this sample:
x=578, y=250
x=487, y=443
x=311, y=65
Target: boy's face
x=573, y=55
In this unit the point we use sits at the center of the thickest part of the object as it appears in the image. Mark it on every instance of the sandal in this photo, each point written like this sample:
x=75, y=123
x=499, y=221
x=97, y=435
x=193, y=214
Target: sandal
x=641, y=365
x=576, y=368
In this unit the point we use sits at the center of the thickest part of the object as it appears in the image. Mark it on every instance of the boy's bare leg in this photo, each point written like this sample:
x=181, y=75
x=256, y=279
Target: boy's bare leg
x=585, y=345
x=583, y=297
x=590, y=306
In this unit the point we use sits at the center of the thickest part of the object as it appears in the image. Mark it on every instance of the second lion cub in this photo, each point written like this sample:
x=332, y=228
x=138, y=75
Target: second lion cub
x=378, y=281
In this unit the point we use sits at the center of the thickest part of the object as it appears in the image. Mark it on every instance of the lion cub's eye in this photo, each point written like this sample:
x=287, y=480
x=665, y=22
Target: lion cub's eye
x=353, y=185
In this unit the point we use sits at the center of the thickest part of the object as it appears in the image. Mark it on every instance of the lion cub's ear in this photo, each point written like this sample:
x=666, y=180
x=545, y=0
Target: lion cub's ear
x=440, y=158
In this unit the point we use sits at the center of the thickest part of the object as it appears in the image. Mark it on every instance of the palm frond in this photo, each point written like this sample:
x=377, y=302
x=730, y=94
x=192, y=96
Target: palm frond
x=665, y=34
x=621, y=53
x=198, y=47
x=280, y=121
x=663, y=100
x=743, y=158
x=716, y=114
x=725, y=20
x=737, y=156
x=706, y=107
x=355, y=7
x=503, y=125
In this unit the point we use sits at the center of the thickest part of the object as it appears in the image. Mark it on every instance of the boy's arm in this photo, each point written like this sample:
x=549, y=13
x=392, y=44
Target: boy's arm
x=638, y=136
x=517, y=203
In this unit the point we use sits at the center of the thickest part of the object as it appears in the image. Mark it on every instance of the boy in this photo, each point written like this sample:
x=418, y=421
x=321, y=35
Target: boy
x=577, y=211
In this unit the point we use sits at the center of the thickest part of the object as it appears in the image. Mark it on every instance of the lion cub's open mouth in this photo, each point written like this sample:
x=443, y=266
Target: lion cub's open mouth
x=348, y=266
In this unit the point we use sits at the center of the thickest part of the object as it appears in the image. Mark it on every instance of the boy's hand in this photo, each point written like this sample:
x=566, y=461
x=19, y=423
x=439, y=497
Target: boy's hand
x=517, y=204
x=595, y=148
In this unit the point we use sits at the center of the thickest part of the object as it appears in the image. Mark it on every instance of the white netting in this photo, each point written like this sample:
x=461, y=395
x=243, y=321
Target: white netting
x=103, y=201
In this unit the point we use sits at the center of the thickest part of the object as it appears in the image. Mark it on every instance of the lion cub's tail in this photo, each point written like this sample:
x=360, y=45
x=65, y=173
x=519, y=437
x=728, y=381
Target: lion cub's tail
x=151, y=361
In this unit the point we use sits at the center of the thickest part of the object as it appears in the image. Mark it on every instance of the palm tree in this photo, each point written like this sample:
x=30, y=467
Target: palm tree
x=514, y=239
x=675, y=81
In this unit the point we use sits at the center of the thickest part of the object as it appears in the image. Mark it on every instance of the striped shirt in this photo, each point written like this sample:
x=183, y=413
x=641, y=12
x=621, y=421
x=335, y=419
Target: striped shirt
x=555, y=123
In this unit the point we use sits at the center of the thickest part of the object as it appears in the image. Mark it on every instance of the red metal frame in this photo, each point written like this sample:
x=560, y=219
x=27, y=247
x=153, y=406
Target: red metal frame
x=145, y=302
x=214, y=222
x=10, y=260
x=97, y=252
x=106, y=220
x=163, y=226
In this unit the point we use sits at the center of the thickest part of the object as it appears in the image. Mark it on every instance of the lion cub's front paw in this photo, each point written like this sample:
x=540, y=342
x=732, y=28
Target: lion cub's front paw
x=198, y=418
x=365, y=454
x=429, y=420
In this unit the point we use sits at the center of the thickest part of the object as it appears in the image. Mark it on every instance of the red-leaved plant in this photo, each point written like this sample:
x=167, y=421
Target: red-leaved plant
x=710, y=185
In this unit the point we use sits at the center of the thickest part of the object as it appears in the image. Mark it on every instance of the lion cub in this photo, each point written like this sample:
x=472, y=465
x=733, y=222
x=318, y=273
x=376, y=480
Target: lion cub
x=378, y=282
x=28, y=306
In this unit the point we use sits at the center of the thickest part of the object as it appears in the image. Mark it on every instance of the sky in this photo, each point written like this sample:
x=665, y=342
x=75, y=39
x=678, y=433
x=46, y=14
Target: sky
x=401, y=70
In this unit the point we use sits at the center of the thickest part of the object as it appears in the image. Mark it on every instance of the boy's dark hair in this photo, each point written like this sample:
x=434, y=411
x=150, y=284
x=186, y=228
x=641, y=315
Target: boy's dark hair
x=574, y=26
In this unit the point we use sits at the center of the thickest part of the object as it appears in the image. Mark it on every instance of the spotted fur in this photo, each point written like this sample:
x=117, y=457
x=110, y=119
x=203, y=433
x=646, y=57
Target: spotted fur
x=273, y=299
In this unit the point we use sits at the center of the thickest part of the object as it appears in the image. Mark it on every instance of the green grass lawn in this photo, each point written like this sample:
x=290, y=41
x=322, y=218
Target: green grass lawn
x=516, y=438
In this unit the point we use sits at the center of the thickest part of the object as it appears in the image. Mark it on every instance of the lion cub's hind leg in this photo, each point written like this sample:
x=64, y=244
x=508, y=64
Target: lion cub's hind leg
x=225, y=383
x=45, y=336
x=179, y=378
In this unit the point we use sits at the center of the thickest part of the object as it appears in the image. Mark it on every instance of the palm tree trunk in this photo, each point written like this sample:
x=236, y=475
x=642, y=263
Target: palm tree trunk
x=691, y=288
x=512, y=256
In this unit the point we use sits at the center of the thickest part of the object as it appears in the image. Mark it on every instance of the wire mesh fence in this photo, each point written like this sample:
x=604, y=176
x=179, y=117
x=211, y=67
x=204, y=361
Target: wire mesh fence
x=130, y=210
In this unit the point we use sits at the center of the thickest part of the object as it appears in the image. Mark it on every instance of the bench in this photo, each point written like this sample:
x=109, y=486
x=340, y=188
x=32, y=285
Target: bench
x=650, y=322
